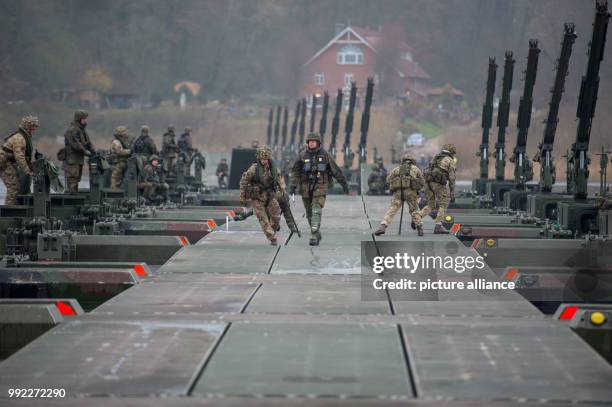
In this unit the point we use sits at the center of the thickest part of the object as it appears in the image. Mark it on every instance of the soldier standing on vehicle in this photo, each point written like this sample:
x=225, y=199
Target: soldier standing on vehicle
x=15, y=155
x=441, y=171
x=169, y=149
x=144, y=145
x=152, y=183
x=405, y=183
x=313, y=173
x=77, y=147
x=222, y=173
x=120, y=153
x=259, y=185
x=377, y=180
x=186, y=150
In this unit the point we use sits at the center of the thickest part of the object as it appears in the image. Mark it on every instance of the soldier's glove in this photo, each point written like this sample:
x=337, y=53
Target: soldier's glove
x=452, y=197
x=243, y=201
x=345, y=189
x=87, y=153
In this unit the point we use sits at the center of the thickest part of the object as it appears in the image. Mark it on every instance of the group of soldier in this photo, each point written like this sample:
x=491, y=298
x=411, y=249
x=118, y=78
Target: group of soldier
x=17, y=152
x=313, y=172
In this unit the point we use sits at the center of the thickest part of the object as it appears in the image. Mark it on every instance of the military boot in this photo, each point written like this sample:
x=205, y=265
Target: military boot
x=274, y=241
x=439, y=230
x=419, y=229
x=413, y=225
x=381, y=230
x=314, y=239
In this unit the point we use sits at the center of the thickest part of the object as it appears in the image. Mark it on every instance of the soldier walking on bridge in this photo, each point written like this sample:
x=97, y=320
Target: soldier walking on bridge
x=16, y=154
x=120, y=152
x=78, y=145
x=441, y=171
x=405, y=183
x=313, y=174
x=260, y=184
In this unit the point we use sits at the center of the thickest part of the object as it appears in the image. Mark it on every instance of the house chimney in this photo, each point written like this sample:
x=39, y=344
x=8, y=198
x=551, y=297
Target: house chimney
x=339, y=28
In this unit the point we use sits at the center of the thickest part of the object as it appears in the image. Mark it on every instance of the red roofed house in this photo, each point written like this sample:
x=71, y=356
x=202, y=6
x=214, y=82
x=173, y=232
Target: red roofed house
x=351, y=56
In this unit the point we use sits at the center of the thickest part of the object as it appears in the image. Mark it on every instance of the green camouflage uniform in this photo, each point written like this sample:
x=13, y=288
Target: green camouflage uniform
x=377, y=179
x=15, y=155
x=78, y=145
x=169, y=149
x=405, y=181
x=120, y=152
x=312, y=175
x=152, y=181
x=442, y=170
x=144, y=144
x=259, y=184
x=185, y=146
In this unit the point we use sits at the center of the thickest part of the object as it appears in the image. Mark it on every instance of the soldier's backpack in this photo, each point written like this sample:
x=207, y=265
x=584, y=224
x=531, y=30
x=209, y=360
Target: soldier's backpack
x=61, y=154
x=434, y=172
x=139, y=145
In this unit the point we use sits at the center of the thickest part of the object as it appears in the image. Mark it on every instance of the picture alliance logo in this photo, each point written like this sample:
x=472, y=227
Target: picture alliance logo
x=405, y=262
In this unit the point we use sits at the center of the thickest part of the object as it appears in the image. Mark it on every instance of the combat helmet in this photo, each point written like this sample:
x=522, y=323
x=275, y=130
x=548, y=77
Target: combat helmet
x=171, y=128
x=121, y=131
x=264, y=153
x=450, y=148
x=407, y=157
x=80, y=114
x=29, y=123
x=188, y=129
x=144, y=129
x=313, y=137
x=153, y=157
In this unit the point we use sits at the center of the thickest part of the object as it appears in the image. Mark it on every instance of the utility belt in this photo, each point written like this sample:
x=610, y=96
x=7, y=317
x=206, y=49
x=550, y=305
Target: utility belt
x=437, y=176
x=255, y=191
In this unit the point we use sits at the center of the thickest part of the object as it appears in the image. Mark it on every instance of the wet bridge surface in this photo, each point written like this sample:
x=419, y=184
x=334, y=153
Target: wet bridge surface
x=232, y=320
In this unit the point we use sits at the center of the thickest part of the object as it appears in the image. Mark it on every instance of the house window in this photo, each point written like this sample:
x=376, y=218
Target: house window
x=350, y=55
x=348, y=79
x=319, y=79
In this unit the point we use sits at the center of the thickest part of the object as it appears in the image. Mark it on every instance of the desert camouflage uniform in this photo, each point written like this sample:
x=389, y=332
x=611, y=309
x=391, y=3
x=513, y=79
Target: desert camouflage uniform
x=312, y=174
x=120, y=153
x=144, y=145
x=15, y=155
x=169, y=149
x=405, y=181
x=442, y=170
x=78, y=145
x=259, y=184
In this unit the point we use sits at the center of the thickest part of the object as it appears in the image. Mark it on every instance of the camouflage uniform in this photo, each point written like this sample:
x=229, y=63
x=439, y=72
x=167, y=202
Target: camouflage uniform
x=169, y=149
x=313, y=174
x=222, y=173
x=15, y=155
x=405, y=182
x=260, y=184
x=78, y=145
x=152, y=183
x=441, y=171
x=377, y=180
x=144, y=145
x=185, y=146
x=120, y=152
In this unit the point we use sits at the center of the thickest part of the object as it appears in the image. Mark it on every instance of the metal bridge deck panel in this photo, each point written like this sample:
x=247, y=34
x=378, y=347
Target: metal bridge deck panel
x=102, y=358
x=157, y=296
x=332, y=259
x=314, y=295
x=504, y=358
x=308, y=360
